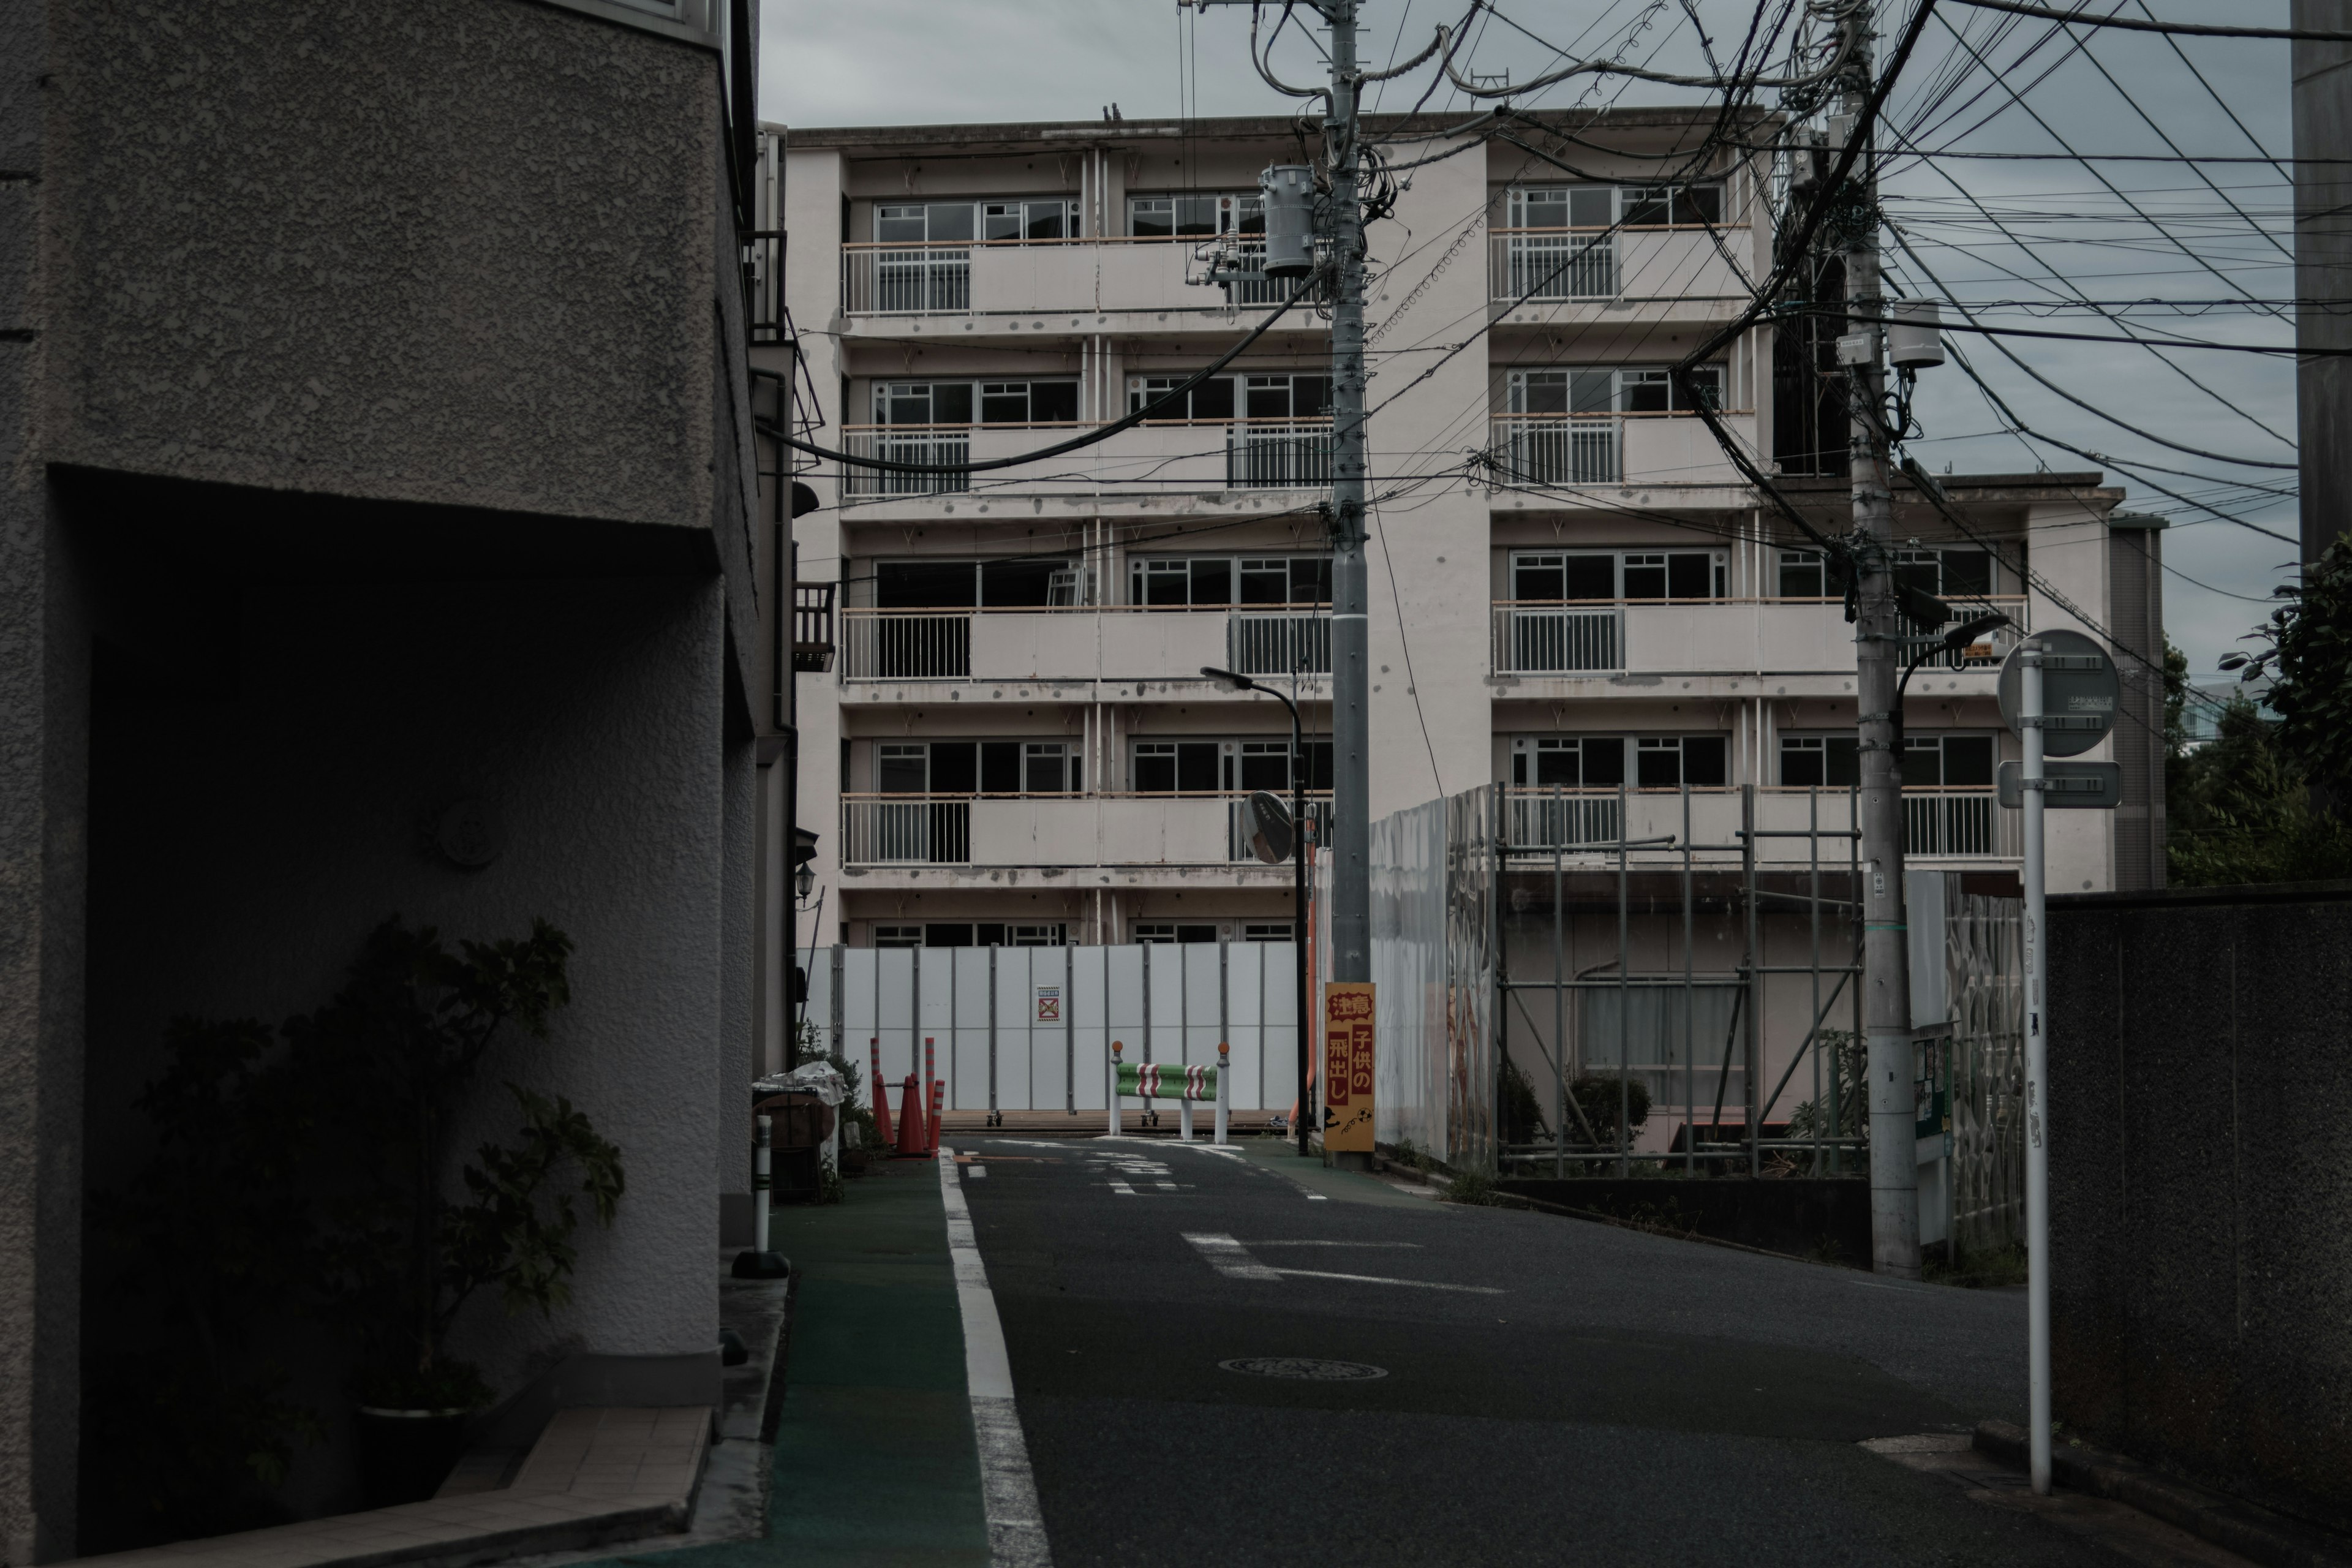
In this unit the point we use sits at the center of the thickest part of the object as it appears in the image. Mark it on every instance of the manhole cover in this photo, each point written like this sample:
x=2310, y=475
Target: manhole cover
x=1302, y=1368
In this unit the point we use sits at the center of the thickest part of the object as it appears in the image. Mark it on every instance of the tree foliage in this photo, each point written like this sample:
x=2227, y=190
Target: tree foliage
x=2306, y=649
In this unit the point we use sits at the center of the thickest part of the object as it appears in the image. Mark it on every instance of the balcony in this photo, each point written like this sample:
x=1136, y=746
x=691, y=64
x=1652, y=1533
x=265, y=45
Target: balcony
x=1957, y=824
x=1158, y=457
x=1093, y=279
x=1083, y=643
x=909, y=832
x=1554, y=275
x=1710, y=637
x=1568, y=450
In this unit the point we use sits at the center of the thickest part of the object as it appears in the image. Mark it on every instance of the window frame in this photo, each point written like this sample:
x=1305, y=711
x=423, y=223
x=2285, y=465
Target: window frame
x=1718, y=573
x=1527, y=752
x=1142, y=569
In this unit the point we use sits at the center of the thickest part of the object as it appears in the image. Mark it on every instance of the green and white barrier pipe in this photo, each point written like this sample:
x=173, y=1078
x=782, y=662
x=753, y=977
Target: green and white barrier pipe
x=1183, y=1084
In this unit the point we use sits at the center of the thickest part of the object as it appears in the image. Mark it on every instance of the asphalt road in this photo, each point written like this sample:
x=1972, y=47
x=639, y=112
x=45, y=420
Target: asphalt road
x=1550, y=1390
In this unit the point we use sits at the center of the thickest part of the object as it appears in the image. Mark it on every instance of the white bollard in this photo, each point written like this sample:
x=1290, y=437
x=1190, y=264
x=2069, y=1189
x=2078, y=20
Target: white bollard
x=1185, y=1114
x=1224, y=1080
x=760, y=1180
x=1114, y=1088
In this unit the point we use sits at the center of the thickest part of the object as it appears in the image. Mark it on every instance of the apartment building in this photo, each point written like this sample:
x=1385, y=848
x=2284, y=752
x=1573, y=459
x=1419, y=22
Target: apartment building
x=1574, y=593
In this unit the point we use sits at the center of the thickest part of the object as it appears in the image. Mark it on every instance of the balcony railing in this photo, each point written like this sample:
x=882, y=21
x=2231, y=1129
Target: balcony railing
x=1556, y=265
x=1111, y=828
x=1083, y=642
x=1559, y=450
x=1709, y=635
x=1940, y=824
x=907, y=280
x=1278, y=642
x=1041, y=276
x=1278, y=454
x=1240, y=453
x=928, y=446
x=1558, y=639
x=905, y=645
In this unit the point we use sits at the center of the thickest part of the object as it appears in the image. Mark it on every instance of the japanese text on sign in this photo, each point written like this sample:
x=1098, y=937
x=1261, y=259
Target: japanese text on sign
x=1348, y=1015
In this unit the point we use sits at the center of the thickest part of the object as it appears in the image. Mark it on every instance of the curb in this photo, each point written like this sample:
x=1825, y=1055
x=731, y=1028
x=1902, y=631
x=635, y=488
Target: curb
x=2253, y=1532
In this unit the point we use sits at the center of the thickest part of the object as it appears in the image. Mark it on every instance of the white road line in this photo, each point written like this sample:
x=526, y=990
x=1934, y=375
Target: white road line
x=975, y=1170
x=1017, y=1531
x=1122, y=1188
x=1232, y=1259
x=1165, y=1186
x=1318, y=1198
x=1229, y=1257
x=1378, y=1279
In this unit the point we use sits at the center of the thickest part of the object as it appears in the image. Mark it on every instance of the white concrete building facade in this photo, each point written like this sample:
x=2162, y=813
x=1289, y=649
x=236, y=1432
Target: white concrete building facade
x=1571, y=587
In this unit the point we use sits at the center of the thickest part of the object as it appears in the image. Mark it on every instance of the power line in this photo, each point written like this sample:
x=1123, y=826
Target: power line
x=2016, y=8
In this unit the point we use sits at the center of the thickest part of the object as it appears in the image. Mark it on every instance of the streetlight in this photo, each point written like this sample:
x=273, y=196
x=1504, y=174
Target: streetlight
x=1952, y=641
x=1239, y=682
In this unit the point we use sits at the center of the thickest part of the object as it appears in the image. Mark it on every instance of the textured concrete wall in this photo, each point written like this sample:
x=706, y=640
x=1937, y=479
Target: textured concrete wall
x=243, y=843
x=2200, y=1115
x=445, y=251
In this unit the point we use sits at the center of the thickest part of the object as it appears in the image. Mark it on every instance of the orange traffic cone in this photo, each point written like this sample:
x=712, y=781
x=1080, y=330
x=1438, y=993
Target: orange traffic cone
x=912, y=1141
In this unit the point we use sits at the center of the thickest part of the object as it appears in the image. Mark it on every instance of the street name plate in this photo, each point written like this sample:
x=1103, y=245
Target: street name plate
x=2076, y=786
x=2078, y=690
x=1348, y=1014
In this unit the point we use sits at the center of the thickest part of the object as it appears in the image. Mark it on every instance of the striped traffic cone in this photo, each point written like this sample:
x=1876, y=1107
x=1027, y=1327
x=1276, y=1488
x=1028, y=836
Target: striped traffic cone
x=913, y=1144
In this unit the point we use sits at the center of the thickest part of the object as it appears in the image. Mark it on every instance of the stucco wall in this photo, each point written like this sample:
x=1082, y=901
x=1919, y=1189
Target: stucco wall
x=447, y=250
x=242, y=846
x=2200, y=1124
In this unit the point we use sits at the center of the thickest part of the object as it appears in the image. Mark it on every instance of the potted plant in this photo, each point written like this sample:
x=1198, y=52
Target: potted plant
x=394, y=1053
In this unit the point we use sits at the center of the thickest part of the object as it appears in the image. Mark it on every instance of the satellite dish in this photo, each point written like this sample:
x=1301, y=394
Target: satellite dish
x=1270, y=827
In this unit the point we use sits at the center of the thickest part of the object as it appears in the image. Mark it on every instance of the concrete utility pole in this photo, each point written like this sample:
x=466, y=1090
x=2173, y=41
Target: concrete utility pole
x=1349, y=839
x=2323, y=269
x=1351, y=744
x=1878, y=656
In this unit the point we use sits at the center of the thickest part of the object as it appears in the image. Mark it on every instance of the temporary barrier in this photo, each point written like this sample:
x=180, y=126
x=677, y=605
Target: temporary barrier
x=1149, y=1081
x=1023, y=1028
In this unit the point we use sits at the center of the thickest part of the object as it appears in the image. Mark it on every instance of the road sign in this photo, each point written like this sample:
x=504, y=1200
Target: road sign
x=1348, y=1066
x=2078, y=693
x=2076, y=786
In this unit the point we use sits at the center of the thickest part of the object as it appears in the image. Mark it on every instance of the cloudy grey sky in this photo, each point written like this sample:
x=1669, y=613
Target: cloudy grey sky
x=2067, y=237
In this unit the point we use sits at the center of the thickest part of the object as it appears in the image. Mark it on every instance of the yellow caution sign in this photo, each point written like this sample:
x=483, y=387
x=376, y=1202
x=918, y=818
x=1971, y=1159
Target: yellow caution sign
x=1348, y=1066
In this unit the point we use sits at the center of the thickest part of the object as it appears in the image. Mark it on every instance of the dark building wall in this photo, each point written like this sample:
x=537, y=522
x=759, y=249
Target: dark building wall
x=360, y=307
x=2200, y=1133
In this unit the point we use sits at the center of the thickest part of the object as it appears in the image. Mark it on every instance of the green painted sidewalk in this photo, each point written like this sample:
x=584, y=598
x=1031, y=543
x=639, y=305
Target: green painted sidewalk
x=874, y=1458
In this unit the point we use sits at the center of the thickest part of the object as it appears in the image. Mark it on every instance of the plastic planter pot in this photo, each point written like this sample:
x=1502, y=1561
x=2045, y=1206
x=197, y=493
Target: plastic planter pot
x=406, y=1454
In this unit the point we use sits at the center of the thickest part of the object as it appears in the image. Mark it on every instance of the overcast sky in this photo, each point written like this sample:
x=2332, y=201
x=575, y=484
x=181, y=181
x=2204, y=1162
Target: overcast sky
x=920, y=61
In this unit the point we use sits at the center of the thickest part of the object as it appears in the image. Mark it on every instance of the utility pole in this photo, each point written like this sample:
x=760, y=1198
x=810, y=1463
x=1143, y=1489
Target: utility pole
x=1879, y=632
x=1349, y=838
x=2322, y=75
x=1352, y=745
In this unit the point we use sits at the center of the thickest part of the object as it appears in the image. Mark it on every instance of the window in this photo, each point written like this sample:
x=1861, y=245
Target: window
x=1832, y=762
x=953, y=223
x=1808, y=575
x=1287, y=396
x=1598, y=389
x=1658, y=207
x=1213, y=399
x=966, y=584
x=1221, y=580
x=898, y=403
x=1598, y=207
x=1266, y=931
x=1173, y=216
x=1156, y=931
x=1947, y=574
x=1216, y=766
x=927, y=222
x=978, y=767
x=1599, y=762
x=973, y=933
x=1604, y=576
x=1053, y=219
